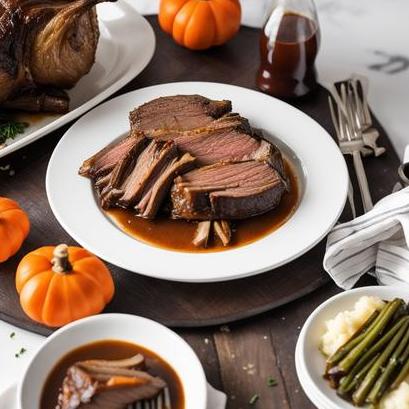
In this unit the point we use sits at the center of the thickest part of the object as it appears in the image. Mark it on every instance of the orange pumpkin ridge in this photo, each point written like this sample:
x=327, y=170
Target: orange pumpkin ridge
x=61, y=284
x=200, y=24
x=14, y=228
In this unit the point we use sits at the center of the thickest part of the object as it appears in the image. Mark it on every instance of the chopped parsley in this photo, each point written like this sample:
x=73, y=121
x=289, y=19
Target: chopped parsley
x=271, y=381
x=12, y=335
x=10, y=128
x=21, y=352
x=254, y=399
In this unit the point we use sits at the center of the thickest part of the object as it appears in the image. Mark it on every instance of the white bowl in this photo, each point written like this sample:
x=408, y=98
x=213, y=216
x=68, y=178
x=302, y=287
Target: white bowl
x=310, y=363
x=141, y=331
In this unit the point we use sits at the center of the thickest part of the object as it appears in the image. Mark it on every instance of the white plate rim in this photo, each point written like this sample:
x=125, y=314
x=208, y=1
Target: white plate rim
x=145, y=58
x=310, y=388
x=243, y=261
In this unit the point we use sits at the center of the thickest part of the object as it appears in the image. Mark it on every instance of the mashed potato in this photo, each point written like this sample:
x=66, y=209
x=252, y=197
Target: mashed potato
x=397, y=399
x=341, y=328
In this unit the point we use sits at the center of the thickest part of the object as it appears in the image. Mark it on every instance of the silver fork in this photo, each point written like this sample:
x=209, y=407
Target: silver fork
x=337, y=131
x=351, y=142
x=162, y=401
x=362, y=119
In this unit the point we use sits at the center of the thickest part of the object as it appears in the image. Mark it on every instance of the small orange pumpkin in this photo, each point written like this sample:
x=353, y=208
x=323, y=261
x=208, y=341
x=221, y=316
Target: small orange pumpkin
x=61, y=284
x=200, y=24
x=14, y=228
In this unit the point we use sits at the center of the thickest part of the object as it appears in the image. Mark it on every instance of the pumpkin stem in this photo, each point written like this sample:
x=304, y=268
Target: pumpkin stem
x=60, y=260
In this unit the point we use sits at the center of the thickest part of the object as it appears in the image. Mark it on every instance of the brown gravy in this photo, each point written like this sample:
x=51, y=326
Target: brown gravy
x=111, y=349
x=178, y=234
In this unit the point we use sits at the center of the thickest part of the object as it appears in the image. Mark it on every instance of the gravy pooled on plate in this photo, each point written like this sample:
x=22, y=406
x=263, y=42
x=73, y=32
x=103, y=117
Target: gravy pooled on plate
x=177, y=234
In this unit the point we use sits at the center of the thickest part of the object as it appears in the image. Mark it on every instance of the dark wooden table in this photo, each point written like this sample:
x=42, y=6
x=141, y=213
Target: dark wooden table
x=238, y=359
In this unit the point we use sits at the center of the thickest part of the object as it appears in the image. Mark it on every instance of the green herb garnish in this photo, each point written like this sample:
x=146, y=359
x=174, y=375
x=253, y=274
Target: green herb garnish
x=271, y=381
x=12, y=335
x=21, y=352
x=10, y=128
x=254, y=399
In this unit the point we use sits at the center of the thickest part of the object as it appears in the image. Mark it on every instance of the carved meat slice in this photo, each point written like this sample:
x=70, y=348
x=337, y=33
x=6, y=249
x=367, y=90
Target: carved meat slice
x=179, y=112
x=104, y=161
x=223, y=231
x=227, y=191
x=202, y=233
x=156, y=192
x=147, y=168
x=101, y=384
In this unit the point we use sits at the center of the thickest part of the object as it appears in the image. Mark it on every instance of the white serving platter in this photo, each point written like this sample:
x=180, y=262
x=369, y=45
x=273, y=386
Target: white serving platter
x=126, y=45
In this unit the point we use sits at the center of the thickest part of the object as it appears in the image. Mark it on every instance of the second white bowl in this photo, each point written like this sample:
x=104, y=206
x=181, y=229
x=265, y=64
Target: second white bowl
x=310, y=363
x=141, y=331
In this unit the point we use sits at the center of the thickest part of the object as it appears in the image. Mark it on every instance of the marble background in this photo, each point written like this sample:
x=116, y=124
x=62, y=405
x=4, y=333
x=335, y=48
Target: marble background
x=369, y=37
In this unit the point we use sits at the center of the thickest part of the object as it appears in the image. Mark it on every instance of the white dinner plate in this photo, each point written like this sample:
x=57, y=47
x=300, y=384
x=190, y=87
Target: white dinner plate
x=310, y=363
x=125, y=47
x=321, y=168
x=8, y=398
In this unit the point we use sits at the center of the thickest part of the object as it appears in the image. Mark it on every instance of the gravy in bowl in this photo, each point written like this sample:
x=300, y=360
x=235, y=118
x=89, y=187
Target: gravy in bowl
x=109, y=350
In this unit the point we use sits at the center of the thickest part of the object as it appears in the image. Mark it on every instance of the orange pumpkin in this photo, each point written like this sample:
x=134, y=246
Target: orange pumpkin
x=200, y=24
x=14, y=228
x=61, y=284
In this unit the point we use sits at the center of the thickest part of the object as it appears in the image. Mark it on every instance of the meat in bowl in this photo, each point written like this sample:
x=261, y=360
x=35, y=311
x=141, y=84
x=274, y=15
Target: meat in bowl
x=112, y=374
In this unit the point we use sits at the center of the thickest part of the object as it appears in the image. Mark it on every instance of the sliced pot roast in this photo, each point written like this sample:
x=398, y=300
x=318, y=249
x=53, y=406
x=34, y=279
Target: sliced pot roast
x=238, y=174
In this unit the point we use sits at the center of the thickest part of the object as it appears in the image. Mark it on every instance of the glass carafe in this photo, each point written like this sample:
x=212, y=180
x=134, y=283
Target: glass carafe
x=289, y=45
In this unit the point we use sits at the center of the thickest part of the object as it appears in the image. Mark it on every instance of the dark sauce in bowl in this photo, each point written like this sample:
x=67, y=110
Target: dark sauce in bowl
x=178, y=234
x=111, y=350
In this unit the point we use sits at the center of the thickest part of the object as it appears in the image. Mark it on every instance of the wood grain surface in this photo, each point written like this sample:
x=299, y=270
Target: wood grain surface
x=238, y=358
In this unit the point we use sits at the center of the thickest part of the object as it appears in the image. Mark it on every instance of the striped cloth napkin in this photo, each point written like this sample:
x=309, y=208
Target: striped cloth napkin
x=376, y=242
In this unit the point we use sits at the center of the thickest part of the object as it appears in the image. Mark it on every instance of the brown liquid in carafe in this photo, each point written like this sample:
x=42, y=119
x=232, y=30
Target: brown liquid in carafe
x=287, y=67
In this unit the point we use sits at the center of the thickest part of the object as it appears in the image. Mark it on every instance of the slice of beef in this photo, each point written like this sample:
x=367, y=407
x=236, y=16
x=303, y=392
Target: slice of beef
x=109, y=186
x=229, y=138
x=202, y=233
x=160, y=186
x=104, y=161
x=147, y=168
x=181, y=112
x=227, y=191
x=222, y=230
x=107, y=385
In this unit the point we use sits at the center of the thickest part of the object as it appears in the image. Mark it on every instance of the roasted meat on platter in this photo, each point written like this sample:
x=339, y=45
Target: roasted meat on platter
x=45, y=48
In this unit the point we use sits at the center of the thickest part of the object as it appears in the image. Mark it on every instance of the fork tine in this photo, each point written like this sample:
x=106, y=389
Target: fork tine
x=356, y=108
x=353, y=118
x=350, y=126
x=362, y=84
x=367, y=113
x=334, y=118
x=358, y=105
